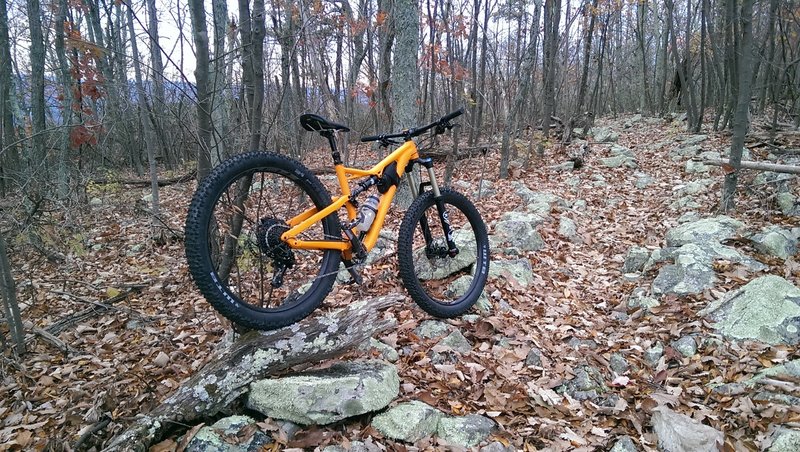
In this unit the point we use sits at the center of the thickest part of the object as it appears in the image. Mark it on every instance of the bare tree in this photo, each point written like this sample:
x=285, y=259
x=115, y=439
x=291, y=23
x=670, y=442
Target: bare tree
x=197, y=11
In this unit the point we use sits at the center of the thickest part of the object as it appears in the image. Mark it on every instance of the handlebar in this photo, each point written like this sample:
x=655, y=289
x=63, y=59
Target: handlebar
x=441, y=125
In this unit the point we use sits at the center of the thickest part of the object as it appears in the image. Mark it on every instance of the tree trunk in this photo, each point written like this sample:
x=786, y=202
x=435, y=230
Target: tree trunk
x=552, y=17
x=8, y=293
x=405, y=82
x=197, y=11
x=157, y=71
x=37, y=156
x=142, y=108
x=256, y=355
x=9, y=161
x=220, y=94
x=65, y=80
x=741, y=119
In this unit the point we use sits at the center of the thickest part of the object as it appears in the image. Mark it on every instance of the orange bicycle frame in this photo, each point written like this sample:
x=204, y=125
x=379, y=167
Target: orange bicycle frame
x=402, y=155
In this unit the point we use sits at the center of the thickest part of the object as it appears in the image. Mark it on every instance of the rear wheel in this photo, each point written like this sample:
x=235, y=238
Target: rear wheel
x=233, y=245
x=443, y=283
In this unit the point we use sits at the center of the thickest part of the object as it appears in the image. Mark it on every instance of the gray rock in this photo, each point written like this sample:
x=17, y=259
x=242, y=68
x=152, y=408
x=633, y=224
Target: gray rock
x=685, y=345
x=579, y=205
x=642, y=180
x=457, y=342
x=534, y=357
x=460, y=286
x=322, y=397
x=485, y=188
x=624, y=444
x=694, y=139
x=409, y=422
x=693, y=167
x=577, y=343
x=618, y=364
x=640, y=299
x=677, y=432
x=387, y=352
x=693, y=187
x=586, y=385
x=689, y=217
x=428, y=269
x=567, y=229
x=685, y=151
x=787, y=202
x=766, y=309
x=714, y=229
x=635, y=259
x=566, y=166
x=604, y=135
x=429, y=329
x=776, y=242
x=95, y=202
x=691, y=273
x=709, y=155
x=496, y=446
x=519, y=270
x=686, y=202
x=517, y=229
x=618, y=161
x=654, y=353
x=785, y=440
x=214, y=438
x=465, y=431
x=770, y=177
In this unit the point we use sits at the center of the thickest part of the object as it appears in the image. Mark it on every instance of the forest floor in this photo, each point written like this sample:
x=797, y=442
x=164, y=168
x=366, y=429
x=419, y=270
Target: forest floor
x=127, y=356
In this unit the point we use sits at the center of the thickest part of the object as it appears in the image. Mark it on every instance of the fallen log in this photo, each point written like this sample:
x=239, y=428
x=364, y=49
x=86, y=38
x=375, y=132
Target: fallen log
x=758, y=166
x=255, y=355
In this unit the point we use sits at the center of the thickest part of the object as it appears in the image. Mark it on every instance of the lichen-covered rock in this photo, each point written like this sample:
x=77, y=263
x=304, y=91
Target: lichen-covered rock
x=787, y=202
x=694, y=139
x=604, y=135
x=457, y=342
x=409, y=422
x=785, y=440
x=696, y=167
x=517, y=229
x=428, y=269
x=222, y=437
x=431, y=328
x=642, y=180
x=618, y=364
x=497, y=446
x=385, y=351
x=685, y=345
x=326, y=396
x=485, y=188
x=519, y=270
x=587, y=385
x=766, y=309
x=640, y=299
x=534, y=357
x=776, y=242
x=715, y=229
x=624, y=444
x=677, y=432
x=635, y=259
x=465, y=431
x=693, y=187
x=619, y=161
x=568, y=229
x=653, y=354
x=460, y=286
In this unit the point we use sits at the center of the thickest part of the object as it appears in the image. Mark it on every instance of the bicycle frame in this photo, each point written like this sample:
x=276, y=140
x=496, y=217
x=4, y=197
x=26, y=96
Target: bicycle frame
x=403, y=155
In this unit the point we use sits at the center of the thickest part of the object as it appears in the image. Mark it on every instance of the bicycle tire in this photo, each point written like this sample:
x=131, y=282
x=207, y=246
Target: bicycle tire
x=418, y=269
x=231, y=237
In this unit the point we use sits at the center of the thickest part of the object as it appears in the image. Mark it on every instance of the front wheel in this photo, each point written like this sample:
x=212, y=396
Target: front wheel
x=443, y=282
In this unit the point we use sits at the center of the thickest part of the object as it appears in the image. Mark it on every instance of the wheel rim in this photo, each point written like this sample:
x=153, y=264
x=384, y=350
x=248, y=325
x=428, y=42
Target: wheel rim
x=443, y=278
x=244, y=248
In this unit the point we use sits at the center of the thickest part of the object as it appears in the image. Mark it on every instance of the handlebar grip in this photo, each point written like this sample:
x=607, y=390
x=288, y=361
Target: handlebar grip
x=452, y=115
x=370, y=138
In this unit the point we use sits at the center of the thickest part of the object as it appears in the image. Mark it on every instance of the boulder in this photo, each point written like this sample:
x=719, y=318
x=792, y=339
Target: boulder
x=619, y=161
x=428, y=269
x=694, y=139
x=784, y=440
x=457, y=342
x=465, y=431
x=429, y=329
x=322, y=397
x=693, y=187
x=517, y=229
x=460, y=286
x=635, y=259
x=642, y=180
x=691, y=273
x=409, y=422
x=568, y=229
x=604, y=135
x=222, y=436
x=519, y=270
x=693, y=167
x=714, y=229
x=385, y=351
x=677, y=432
x=683, y=203
x=776, y=241
x=640, y=299
x=788, y=204
x=766, y=309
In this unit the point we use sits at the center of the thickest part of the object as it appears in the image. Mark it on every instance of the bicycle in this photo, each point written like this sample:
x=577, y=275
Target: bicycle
x=264, y=240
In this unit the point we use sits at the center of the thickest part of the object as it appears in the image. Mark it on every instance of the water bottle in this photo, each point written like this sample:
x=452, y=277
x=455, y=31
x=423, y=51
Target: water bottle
x=366, y=214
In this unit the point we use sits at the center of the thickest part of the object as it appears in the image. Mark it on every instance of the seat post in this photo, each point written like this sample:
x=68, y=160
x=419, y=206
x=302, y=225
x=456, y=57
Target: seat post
x=337, y=159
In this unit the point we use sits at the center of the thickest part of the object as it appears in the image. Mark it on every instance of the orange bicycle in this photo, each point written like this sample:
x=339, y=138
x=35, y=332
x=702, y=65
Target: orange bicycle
x=264, y=239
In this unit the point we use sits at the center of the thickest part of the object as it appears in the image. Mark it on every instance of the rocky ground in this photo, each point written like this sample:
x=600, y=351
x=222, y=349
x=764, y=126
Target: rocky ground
x=624, y=312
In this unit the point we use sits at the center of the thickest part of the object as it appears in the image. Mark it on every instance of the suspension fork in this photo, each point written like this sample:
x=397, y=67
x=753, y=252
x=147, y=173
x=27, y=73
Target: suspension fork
x=444, y=217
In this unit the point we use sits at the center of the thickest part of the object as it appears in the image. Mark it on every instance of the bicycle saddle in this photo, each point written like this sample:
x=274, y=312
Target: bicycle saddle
x=316, y=123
